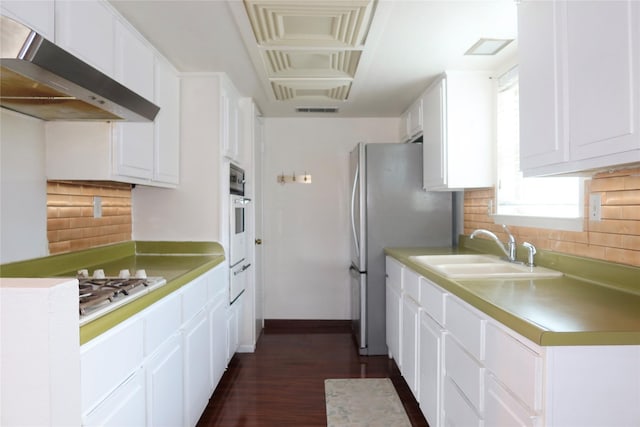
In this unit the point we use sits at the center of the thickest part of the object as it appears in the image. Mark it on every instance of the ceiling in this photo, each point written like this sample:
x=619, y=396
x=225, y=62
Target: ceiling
x=379, y=72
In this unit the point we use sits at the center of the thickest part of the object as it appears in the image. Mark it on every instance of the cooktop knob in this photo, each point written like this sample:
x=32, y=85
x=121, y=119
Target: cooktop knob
x=98, y=274
x=141, y=274
x=124, y=274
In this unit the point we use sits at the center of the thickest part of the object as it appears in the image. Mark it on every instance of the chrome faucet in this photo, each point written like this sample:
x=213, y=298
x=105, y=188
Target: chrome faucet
x=532, y=252
x=510, y=248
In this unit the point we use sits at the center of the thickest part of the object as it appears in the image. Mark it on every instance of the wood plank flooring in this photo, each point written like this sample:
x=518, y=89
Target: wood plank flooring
x=282, y=383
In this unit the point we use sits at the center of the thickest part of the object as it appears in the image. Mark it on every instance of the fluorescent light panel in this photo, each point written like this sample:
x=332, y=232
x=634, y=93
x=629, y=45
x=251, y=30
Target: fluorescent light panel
x=488, y=46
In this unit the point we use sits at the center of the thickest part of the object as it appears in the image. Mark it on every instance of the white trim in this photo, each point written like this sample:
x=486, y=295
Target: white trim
x=565, y=224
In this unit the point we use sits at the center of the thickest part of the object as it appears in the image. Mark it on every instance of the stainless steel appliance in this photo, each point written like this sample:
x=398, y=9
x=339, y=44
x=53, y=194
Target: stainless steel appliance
x=238, y=233
x=98, y=295
x=389, y=208
x=42, y=80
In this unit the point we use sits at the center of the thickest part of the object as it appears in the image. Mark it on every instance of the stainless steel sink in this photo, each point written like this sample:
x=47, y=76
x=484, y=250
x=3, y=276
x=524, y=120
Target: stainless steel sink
x=468, y=266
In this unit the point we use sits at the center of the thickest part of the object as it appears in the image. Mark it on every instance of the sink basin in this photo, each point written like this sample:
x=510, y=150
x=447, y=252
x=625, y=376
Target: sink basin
x=468, y=266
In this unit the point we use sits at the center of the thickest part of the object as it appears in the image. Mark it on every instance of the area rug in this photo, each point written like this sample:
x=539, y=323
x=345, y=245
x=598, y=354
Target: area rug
x=360, y=402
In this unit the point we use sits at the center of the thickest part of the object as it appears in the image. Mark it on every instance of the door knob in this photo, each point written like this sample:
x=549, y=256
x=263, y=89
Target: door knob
x=258, y=241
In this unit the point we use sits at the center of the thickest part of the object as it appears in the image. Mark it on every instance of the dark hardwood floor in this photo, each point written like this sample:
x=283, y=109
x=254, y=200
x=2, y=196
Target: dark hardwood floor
x=282, y=383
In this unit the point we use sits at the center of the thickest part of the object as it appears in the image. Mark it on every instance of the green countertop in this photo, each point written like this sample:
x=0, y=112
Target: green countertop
x=569, y=310
x=178, y=262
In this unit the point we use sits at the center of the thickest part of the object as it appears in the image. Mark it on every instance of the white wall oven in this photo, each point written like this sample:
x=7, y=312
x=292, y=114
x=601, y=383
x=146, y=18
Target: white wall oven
x=238, y=236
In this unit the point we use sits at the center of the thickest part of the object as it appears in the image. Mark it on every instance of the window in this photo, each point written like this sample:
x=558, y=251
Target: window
x=550, y=202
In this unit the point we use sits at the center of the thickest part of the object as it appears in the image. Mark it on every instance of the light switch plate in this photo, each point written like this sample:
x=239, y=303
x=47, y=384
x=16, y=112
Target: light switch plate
x=594, y=207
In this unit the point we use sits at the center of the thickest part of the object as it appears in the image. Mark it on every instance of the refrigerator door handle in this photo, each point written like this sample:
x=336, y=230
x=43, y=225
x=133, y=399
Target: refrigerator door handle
x=353, y=214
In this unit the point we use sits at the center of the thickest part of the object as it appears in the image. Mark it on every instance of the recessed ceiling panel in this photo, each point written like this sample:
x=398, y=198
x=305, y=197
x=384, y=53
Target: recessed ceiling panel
x=319, y=90
x=311, y=64
x=336, y=23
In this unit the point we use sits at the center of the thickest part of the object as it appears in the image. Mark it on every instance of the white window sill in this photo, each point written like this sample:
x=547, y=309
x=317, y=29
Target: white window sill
x=565, y=224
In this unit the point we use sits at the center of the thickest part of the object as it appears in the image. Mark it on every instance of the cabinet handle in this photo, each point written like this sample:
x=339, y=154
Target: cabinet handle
x=258, y=241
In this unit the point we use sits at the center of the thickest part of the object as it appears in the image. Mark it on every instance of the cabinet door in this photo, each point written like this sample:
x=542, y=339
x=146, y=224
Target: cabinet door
x=540, y=85
x=197, y=362
x=229, y=121
x=603, y=74
x=409, y=342
x=165, y=385
x=133, y=150
x=36, y=14
x=393, y=322
x=430, y=369
x=86, y=29
x=233, y=327
x=134, y=61
x=434, y=167
x=218, y=341
x=167, y=123
x=124, y=407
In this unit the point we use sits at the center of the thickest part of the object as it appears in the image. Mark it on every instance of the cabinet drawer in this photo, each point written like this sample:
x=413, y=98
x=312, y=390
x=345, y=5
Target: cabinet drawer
x=432, y=300
x=466, y=325
x=194, y=298
x=503, y=410
x=394, y=273
x=124, y=407
x=161, y=321
x=465, y=371
x=106, y=361
x=457, y=411
x=515, y=365
x=411, y=284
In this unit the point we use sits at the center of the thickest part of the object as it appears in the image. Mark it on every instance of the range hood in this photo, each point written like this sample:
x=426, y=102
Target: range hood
x=42, y=80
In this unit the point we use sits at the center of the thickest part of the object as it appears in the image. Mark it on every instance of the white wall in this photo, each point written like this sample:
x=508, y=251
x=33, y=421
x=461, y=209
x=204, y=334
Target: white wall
x=306, y=226
x=23, y=188
x=192, y=211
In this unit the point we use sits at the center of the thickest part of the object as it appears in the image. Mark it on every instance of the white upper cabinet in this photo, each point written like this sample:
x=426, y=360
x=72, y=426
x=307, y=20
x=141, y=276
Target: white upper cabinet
x=230, y=121
x=167, y=124
x=38, y=15
x=579, y=85
x=134, y=68
x=144, y=153
x=411, y=122
x=458, y=132
x=86, y=29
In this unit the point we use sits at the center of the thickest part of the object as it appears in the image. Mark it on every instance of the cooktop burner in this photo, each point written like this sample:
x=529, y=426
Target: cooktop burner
x=99, y=295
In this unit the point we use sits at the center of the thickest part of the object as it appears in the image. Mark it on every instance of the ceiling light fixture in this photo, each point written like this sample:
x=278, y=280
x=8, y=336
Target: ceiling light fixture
x=488, y=46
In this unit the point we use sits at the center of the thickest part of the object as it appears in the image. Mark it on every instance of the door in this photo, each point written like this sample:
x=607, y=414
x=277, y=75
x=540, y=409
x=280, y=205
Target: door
x=357, y=206
x=257, y=209
x=358, y=306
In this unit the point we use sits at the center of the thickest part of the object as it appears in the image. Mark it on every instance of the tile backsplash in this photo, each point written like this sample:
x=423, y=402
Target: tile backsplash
x=71, y=225
x=615, y=238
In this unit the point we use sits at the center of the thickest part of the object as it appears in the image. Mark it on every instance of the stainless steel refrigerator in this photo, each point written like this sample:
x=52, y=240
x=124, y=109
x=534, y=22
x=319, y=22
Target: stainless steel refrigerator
x=389, y=208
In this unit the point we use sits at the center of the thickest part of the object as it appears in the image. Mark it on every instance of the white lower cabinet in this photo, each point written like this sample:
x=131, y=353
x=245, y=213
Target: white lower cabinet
x=409, y=342
x=430, y=375
x=165, y=391
x=160, y=367
x=234, y=314
x=197, y=388
x=475, y=371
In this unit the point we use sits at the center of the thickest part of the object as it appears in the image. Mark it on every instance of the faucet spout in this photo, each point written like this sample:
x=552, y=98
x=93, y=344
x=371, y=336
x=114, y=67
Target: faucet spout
x=509, y=249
